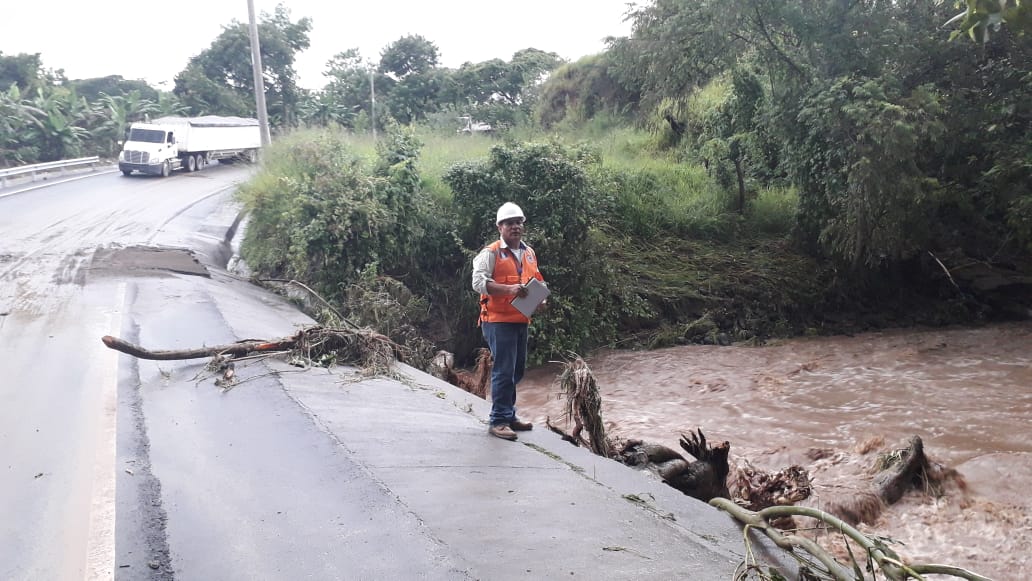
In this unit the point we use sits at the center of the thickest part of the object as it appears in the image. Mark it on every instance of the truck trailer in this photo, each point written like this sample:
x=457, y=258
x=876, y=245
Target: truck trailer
x=166, y=144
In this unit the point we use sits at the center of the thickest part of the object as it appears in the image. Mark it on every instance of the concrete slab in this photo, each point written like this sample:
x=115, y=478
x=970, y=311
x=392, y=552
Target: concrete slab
x=538, y=507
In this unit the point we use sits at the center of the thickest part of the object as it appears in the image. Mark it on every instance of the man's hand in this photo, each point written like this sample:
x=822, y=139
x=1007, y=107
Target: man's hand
x=496, y=288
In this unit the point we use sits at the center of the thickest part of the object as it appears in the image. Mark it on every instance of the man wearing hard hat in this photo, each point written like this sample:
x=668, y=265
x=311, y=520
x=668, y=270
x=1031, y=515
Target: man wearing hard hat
x=501, y=272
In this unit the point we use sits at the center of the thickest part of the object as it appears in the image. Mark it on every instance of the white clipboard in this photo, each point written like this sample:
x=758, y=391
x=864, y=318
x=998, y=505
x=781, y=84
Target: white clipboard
x=536, y=294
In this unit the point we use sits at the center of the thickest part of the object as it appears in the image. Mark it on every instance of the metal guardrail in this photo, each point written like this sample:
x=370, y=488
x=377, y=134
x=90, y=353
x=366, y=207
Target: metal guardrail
x=50, y=166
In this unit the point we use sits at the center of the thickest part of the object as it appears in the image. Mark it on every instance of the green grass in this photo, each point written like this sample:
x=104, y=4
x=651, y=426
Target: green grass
x=773, y=211
x=659, y=191
x=440, y=152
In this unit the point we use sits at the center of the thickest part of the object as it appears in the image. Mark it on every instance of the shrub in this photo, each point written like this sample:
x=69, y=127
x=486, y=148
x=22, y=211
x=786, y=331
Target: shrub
x=550, y=183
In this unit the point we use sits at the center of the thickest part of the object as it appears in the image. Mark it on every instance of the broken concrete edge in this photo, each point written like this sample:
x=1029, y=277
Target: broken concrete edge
x=710, y=526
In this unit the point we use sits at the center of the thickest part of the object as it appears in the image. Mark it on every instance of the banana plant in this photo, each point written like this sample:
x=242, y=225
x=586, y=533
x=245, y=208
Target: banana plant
x=169, y=104
x=56, y=126
x=117, y=112
x=16, y=117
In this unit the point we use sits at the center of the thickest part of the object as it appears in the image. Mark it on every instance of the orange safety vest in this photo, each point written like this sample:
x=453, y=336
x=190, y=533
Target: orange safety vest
x=507, y=270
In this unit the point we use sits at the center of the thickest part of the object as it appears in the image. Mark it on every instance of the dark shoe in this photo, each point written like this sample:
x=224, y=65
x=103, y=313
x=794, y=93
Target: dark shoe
x=521, y=426
x=502, y=431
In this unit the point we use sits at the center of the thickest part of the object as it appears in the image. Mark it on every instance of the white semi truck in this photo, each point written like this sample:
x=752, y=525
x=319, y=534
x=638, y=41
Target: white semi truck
x=166, y=144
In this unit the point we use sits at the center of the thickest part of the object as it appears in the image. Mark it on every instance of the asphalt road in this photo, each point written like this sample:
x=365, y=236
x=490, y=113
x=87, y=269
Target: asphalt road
x=59, y=384
x=118, y=468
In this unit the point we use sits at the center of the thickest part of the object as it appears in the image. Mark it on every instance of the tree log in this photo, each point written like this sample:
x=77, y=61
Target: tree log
x=234, y=349
x=909, y=473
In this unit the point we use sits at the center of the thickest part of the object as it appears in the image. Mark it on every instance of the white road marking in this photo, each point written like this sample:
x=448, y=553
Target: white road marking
x=54, y=183
x=100, y=546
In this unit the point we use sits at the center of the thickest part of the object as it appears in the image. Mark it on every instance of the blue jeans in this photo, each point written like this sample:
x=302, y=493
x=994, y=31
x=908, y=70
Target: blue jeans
x=508, y=344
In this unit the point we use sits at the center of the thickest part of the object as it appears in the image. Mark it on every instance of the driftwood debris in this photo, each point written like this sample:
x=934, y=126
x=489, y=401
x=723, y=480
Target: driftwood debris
x=583, y=407
x=476, y=382
x=315, y=345
x=704, y=478
x=897, y=472
x=906, y=469
x=880, y=558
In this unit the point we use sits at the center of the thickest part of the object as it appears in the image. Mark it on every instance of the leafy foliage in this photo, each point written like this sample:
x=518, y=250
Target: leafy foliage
x=24, y=71
x=860, y=159
x=850, y=104
x=552, y=186
x=982, y=18
x=114, y=85
x=409, y=55
x=349, y=93
x=582, y=90
x=221, y=80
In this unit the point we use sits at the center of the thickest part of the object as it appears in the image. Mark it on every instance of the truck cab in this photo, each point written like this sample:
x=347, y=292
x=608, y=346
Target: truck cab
x=149, y=149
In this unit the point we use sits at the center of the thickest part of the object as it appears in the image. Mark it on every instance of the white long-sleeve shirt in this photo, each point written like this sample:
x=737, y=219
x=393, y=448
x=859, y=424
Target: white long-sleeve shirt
x=484, y=264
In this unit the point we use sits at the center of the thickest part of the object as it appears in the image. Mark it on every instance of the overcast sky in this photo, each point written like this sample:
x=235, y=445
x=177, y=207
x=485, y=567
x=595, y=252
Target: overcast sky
x=154, y=41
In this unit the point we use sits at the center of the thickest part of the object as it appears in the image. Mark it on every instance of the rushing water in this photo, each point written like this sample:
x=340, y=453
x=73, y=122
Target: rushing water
x=966, y=392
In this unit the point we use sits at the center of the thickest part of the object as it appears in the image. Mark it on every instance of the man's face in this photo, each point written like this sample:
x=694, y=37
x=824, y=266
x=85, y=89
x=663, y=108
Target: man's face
x=511, y=231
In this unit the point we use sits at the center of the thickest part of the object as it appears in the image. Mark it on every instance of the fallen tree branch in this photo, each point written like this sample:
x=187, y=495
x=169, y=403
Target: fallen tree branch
x=944, y=269
x=316, y=345
x=890, y=564
x=325, y=303
x=233, y=349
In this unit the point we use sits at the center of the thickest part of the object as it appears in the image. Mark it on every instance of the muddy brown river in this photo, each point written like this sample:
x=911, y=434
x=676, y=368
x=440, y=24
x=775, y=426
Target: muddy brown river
x=966, y=392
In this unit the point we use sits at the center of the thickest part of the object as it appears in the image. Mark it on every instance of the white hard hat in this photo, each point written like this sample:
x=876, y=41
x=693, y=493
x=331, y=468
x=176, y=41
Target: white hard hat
x=509, y=210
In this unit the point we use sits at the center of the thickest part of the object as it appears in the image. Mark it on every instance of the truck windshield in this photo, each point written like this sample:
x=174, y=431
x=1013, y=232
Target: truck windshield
x=147, y=135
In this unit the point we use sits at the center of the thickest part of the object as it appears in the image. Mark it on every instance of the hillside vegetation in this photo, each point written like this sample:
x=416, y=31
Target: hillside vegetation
x=730, y=171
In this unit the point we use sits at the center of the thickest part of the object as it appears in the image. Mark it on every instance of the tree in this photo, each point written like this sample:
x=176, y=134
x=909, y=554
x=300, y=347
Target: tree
x=411, y=54
x=411, y=62
x=414, y=96
x=348, y=92
x=473, y=84
x=16, y=118
x=58, y=115
x=24, y=71
x=677, y=45
x=862, y=164
x=92, y=89
x=510, y=81
x=552, y=186
x=116, y=113
x=982, y=18
x=580, y=90
x=220, y=79
x=170, y=105
x=855, y=97
x=206, y=95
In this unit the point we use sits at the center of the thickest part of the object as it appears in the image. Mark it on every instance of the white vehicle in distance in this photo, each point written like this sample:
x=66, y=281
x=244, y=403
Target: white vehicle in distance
x=471, y=126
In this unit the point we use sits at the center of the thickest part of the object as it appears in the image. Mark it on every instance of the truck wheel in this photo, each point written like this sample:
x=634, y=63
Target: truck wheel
x=199, y=161
x=127, y=172
x=252, y=156
x=191, y=163
x=166, y=169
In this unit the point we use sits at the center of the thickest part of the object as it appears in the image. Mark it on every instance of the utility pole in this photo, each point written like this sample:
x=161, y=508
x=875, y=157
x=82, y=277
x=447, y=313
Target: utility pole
x=259, y=77
x=372, y=100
